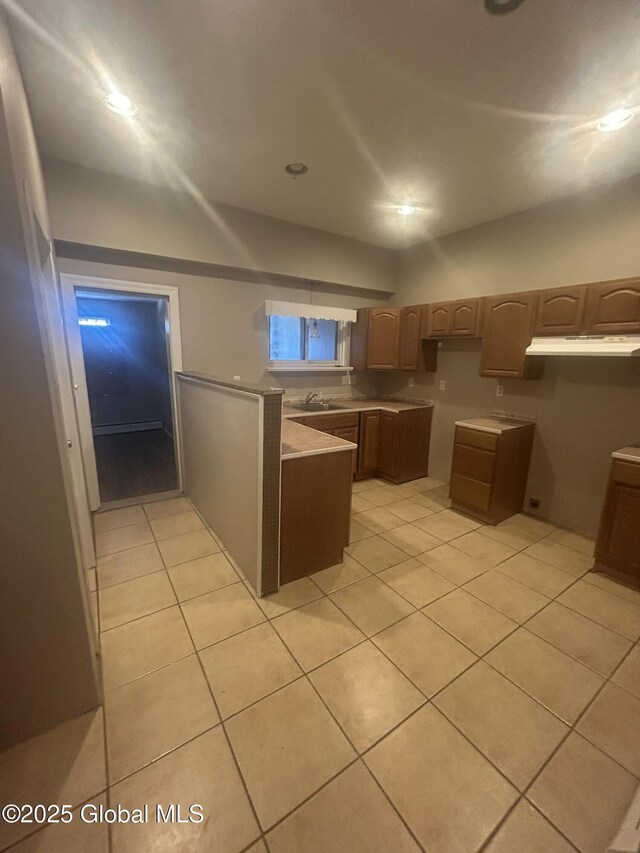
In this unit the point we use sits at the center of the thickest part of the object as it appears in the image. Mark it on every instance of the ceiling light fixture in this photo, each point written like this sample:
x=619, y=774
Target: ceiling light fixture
x=616, y=119
x=406, y=209
x=296, y=169
x=502, y=7
x=121, y=104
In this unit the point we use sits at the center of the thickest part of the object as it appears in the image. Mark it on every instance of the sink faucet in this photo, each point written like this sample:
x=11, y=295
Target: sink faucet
x=309, y=398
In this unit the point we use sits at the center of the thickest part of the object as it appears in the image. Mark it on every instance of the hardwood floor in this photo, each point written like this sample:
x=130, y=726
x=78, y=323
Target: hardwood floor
x=131, y=464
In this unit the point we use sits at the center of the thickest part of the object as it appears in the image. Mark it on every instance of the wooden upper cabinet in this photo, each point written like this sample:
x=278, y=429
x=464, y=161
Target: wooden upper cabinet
x=438, y=320
x=508, y=327
x=460, y=318
x=383, y=338
x=560, y=311
x=409, y=337
x=465, y=318
x=375, y=339
x=613, y=308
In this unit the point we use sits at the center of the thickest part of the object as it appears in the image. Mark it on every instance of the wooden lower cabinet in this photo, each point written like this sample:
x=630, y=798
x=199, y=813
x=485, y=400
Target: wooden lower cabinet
x=393, y=445
x=489, y=470
x=350, y=434
x=315, y=512
x=618, y=544
x=403, y=452
x=368, y=443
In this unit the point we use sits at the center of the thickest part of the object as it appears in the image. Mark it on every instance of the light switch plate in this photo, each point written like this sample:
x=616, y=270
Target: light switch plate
x=499, y=390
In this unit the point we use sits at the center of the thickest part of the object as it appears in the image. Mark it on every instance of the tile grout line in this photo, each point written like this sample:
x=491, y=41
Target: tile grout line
x=226, y=734
x=104, y=700
x=44, y=826
x=518, y=625
x=571, y=730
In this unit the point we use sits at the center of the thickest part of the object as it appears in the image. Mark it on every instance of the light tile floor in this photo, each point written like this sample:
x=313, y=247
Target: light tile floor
x=449, y=687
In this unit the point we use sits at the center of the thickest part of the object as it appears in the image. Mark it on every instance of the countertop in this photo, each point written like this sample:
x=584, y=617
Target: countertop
x=495, y=425
x=357, y=406
x=629, y=454
x=300, y=440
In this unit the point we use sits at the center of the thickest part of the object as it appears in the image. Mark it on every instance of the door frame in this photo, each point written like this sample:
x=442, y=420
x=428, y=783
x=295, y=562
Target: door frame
x=69, y=283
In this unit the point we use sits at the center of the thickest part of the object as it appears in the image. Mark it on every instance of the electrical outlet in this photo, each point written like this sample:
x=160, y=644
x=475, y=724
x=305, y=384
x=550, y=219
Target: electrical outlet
x=411, y=382
x=499, y=390
x=236, y=379
x=346, y=379
x=442, y=384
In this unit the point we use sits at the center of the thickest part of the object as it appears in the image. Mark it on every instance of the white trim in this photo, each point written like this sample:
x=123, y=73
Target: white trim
x=69, y=283
x=314, y=312
x=306, y=367
x=341, y=363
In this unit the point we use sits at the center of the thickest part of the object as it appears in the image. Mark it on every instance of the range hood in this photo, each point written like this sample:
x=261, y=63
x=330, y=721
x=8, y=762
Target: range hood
x=598, y=345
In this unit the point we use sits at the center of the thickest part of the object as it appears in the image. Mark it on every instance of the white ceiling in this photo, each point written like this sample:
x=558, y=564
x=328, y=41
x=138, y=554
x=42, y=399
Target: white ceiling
x=429, y=102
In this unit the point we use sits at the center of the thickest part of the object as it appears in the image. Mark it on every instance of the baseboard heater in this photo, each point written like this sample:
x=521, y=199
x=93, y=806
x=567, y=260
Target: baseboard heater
x=138, y=426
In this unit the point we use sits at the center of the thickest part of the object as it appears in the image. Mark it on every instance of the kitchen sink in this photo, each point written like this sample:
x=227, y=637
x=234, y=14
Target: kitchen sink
x=316, y=407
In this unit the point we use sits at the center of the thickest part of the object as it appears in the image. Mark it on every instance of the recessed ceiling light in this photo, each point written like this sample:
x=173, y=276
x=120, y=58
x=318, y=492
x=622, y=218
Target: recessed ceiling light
x=406, y=209
x=502, y=7
x=296, y=169
x=616, y=119
x=119, y=103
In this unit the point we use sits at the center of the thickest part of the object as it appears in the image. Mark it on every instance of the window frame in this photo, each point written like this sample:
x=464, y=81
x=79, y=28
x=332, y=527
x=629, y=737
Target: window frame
x=341, y=363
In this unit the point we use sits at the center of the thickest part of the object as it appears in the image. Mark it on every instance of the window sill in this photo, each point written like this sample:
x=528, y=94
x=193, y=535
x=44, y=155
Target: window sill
x=309, y=368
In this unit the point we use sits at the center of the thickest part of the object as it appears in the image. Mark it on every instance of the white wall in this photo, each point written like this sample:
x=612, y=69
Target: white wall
x=47, y=664
x=585, y=408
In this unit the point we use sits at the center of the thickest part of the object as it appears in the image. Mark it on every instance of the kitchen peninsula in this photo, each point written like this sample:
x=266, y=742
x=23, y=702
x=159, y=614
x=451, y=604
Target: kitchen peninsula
x=275, y=482
x=322, y=450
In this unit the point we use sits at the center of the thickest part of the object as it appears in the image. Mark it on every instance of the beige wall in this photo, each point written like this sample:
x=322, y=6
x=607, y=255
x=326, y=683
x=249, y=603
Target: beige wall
x=585, y=408
x=224, y=327
x=589, y=237
x=100, y=209
x=46, y=666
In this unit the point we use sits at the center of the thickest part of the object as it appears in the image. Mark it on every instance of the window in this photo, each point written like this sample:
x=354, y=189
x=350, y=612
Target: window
x=306, y=343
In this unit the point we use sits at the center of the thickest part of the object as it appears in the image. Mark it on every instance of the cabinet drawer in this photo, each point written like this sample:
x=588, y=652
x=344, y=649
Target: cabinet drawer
x=474, y=463
x=331, y=422
x=470, y=493
x=625, y=472
x=476, y=438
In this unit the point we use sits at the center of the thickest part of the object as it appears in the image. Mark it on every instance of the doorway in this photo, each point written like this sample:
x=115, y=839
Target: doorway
x=120, y=340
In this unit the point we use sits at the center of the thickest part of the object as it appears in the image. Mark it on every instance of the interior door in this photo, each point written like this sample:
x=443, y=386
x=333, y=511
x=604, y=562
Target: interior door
x=81, y=395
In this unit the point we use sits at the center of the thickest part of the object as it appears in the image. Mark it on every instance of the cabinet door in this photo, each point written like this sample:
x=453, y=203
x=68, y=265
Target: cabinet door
x=387, y=448
x=369, y=441
x=439, y=322
x=383, y=338
x=465, y=315
x=409, y=337
x=508, y=325
x=349, y=434
x=619, y=538
x=613, y=308
x=560, y=311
